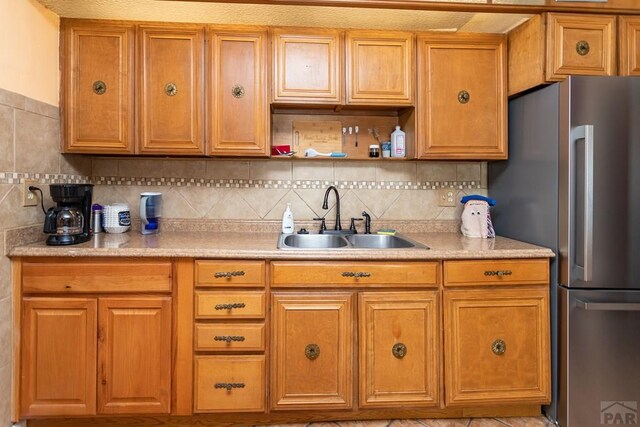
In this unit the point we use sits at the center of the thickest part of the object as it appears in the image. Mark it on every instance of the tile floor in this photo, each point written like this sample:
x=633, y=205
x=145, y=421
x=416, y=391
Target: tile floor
x=453, y=422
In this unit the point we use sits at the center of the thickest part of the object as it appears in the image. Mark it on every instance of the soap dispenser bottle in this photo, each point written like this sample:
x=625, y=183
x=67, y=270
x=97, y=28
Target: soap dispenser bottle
x=287, y=220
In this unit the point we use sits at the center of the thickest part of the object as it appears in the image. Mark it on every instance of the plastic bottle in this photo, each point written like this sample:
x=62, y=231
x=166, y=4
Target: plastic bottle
x=398, y=146
x=287, y=220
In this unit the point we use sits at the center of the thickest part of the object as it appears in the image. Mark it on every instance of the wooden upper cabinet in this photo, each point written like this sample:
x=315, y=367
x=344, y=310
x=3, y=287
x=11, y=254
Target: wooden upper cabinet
x=307, y=66
x=399, y=337
x=379, y=68
x=497, y=346
x=580, y=44
x=462, y=102
x=312, y=350
x=170, y=90
x=97, y=87
x=239, y=110
x=629, y=45
x=134, y=355
x=58, y=357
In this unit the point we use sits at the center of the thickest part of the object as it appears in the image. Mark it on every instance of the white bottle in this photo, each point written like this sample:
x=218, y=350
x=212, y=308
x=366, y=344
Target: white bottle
x=287, y=220
x=398, y=146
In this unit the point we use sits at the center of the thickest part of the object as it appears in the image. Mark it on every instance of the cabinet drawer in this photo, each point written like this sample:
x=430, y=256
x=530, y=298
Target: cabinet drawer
x=229, y=384
x=231, y=305
x=229, y=273
x=496, y=272
x=497, y=346
x=96, y=275
x=305, y=274
x=230, y=337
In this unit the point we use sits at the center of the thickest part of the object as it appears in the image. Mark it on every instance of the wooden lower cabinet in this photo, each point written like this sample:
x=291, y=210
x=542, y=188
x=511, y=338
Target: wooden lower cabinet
x=312, y=350
x=497, y=346
x=229, y=383
x=399, y=351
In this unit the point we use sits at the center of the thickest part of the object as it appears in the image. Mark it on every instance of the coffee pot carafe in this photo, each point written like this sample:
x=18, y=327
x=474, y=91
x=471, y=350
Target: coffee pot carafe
x=68, y=221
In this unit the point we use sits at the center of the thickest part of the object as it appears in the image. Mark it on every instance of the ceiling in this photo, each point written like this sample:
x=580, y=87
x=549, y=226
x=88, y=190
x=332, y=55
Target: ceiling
x=283, y=15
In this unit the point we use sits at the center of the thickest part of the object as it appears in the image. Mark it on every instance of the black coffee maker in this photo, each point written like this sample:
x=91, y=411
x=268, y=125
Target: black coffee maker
x=68, y=222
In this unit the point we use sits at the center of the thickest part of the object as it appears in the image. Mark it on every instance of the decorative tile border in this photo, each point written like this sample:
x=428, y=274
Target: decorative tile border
x=17, y=178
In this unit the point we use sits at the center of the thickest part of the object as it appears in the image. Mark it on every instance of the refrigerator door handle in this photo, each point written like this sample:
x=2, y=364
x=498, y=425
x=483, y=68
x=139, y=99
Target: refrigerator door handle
x=586, y=133
x=607, y=306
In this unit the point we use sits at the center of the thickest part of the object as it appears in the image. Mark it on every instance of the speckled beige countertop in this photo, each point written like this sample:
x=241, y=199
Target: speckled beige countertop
x=446, y=245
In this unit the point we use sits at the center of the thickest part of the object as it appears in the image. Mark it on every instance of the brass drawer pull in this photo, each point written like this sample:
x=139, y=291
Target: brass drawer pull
x=228, y=338
x=498, y=347
x=229, y=386
x=171, y=89
x=230, y=306
x=582, y=47
x=498, y=273
x=463, y=97
x=99, y=87
x=399, y=350
x=228, y=274
x=237, y=91
x=356, y=274
x=312, y=351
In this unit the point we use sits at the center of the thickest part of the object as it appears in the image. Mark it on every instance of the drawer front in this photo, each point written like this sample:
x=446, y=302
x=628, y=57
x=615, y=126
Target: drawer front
x=96, y=275
x=581, y=45
x=497, y=346
x=305, y=274
x=243, y=375
x=229, y=273
x=230, y=337
x=496, y=272
x=230, y=305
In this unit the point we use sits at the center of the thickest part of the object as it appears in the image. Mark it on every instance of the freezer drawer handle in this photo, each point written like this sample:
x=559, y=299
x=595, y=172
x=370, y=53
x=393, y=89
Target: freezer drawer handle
x=498, y=273
x=608, y=306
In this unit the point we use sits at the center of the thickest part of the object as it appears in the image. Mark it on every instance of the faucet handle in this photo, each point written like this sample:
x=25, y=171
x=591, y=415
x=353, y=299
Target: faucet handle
x=367, y=222
x=323, y=225
x=352, y=227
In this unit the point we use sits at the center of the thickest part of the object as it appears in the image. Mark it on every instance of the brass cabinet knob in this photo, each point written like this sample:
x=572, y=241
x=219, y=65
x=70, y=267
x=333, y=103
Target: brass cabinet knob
x=228, y=338
x=237, y=91
x=171, y=89
x=399, y=350
x=228, y=274
x=463, y=97
x=230, y=306
x=229, y=386
x=99, y=87
x=582, y=47
x=498, y=347
x=312, y=351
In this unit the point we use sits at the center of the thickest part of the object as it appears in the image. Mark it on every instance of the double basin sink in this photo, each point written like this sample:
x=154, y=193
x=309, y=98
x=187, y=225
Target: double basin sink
x=346, y=241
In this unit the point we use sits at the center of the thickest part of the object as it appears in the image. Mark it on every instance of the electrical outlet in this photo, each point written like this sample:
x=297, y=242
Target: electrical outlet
x=29, y=198
x=447, y=197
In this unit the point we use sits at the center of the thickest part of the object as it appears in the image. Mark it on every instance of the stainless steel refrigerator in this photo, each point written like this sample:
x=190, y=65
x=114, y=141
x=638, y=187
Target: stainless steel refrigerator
x=572, y=183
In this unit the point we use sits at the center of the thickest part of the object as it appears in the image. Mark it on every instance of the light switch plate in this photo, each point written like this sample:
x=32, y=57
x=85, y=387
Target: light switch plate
x=447, y=197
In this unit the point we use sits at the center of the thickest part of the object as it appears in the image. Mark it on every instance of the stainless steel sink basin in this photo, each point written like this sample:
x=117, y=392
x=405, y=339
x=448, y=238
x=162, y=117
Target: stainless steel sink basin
x=347, y=241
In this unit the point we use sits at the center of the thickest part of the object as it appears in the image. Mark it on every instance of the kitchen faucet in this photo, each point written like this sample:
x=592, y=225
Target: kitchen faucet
x=325, y=205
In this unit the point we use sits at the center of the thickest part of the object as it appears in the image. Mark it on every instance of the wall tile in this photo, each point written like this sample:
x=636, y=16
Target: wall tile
x=312, y=171
x=350, y=207
x=12, y=99
x=75, y=164
x=174, y=202
x=5, y=272
x=104, y=167
x=6, y=139
x=414, y=205
x=202, y=199
x=396, y=171
x=301, y=211
x=13, y=214
x=232, y=206
x=227, y=169
x=37, y=143
x=355, y=171
x=183, y=169
x=376, y=201
x=436, y=171
x=41, y=108
x=262, y=200
x=270, y=170
x=5, y=331
x=313, y=198
x=468, y=172
x=483, y=174
x=5, y=393
x=140, y=168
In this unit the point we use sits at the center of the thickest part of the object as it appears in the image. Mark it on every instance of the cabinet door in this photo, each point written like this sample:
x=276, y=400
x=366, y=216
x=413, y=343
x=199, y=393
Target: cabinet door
x=306, y=66
x=580, y=45
x=170, y=88
x=379, y=68
x=462, y=97
x=134, y=355
x=629, y=45
x=97, y=88
x=497, y=346
x=238, y=98
x=58, y=357
x=311, y=353
x=399, y=337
